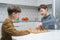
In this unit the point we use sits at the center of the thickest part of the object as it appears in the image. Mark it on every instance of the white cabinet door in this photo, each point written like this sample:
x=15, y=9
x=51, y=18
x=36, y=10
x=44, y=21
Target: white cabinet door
x=57, y=12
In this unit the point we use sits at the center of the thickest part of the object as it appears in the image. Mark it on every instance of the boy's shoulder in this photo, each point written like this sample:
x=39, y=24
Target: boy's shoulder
x=6, y=21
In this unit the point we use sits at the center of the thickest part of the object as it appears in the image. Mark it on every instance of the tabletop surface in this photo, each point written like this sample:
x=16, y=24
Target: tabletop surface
x=52, y=35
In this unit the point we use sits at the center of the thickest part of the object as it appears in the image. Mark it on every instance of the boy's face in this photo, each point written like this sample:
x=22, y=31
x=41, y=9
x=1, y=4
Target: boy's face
x=15, y=15
x=43, y=12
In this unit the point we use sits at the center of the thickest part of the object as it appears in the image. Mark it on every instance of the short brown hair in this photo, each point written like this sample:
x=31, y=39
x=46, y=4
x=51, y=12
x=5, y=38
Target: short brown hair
x=42, y=6
x=13, y=8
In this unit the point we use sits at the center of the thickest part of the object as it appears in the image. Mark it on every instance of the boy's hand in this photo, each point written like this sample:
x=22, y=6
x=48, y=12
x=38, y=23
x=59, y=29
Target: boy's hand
x=40, y=24
x=35, y=31
x=30, y=29
x=27, y=31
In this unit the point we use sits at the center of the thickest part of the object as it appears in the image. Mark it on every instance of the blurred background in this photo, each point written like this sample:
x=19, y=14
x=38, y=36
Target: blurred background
x=30, y=9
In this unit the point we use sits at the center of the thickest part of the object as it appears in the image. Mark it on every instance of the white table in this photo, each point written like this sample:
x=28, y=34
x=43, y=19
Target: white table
x=52, y=35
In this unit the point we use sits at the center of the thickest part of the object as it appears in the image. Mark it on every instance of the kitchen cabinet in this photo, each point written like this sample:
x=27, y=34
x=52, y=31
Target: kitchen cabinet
x=26, y=2
x=44, y=2
x=57, y=13
x=20, y=2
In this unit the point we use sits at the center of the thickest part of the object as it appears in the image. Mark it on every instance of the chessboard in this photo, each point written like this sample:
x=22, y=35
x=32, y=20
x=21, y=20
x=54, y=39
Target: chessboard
x=35, y=31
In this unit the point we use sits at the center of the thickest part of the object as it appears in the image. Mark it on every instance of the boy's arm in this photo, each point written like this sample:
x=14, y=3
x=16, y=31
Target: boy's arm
x=49, y=22
x=9, y=28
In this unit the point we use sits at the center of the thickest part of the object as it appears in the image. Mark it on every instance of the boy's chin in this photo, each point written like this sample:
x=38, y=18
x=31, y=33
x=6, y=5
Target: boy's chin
x=43, y=16
x=14, y=19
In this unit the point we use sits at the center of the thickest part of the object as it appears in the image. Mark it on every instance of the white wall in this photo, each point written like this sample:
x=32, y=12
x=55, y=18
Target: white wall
x=3, y=13
x=30, y=12
x=27, y=11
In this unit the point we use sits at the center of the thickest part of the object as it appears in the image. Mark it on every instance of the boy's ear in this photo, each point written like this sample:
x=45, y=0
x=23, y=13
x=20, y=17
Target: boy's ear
x=12, y=14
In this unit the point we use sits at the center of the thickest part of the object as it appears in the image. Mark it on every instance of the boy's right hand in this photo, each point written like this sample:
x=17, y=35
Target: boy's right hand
x=27, y=31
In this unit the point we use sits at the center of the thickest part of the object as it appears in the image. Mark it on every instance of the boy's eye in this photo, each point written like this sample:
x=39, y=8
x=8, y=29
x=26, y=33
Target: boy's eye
x=41, y=11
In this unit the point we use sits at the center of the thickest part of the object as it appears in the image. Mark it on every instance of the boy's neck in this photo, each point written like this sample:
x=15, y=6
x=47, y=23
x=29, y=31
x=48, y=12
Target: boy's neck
x=46, y=14
x=10, y=18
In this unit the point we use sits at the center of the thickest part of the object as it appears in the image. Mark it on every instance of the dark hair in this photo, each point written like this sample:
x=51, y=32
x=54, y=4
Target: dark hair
x=42, y=6
x=13, y=8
